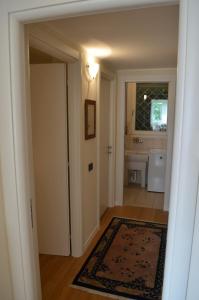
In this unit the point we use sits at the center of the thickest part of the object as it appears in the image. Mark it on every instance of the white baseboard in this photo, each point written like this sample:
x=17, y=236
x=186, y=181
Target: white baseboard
x=91, y=236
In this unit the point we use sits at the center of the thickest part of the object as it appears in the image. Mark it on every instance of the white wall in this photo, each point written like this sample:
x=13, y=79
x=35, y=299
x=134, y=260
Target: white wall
x=186, y=159
x=89, y=155
x=5, y=281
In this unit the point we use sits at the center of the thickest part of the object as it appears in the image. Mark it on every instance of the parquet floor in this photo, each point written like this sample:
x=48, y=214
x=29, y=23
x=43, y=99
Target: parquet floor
x=58, y=272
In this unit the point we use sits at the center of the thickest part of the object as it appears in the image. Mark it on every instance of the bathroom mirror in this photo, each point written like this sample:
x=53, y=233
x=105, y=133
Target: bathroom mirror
x=146, y=107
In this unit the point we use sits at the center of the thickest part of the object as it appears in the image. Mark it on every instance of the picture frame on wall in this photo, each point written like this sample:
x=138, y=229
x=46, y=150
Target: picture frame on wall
x=90, y=119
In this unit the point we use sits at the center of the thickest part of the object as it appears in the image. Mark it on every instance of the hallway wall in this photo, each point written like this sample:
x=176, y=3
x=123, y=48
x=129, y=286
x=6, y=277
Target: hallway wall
x=89, y=179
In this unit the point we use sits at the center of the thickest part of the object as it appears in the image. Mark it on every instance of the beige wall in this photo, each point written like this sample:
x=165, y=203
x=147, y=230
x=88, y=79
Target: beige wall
x=89, y=91
x=148, y=143
x=130, y=107
x=5, y=282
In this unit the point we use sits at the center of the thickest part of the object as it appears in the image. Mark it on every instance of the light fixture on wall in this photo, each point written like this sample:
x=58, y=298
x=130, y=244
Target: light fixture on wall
x=92, y=68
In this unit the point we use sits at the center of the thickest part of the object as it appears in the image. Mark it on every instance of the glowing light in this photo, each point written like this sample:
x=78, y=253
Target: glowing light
x=99, y=52
x=145, y=97
x=92, y=68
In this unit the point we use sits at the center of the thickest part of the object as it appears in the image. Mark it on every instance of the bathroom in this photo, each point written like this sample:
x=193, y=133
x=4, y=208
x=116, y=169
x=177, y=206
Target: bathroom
x=149, y=122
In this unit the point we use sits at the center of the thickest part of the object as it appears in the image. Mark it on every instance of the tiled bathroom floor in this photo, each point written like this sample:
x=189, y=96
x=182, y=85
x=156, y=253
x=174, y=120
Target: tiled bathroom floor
x=134, y=195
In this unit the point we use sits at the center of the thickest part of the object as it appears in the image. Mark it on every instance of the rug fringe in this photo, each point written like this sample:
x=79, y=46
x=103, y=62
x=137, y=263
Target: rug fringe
x=140, y=220
x=91, y=291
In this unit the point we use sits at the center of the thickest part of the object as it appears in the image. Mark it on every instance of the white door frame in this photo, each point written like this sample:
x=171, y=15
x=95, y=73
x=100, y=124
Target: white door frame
x=193, y=288
x=143, y=75
x=110, y=76
x=112, y=142
x=13, y=135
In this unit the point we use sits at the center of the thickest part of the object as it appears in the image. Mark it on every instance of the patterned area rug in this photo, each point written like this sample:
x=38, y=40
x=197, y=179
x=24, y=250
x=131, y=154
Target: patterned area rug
x=128, y=261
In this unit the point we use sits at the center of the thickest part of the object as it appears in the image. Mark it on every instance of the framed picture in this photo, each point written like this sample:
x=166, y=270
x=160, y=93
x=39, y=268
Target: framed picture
x=90, y=119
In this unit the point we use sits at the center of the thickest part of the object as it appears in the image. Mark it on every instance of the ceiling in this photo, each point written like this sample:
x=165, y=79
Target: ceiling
x=139, y=38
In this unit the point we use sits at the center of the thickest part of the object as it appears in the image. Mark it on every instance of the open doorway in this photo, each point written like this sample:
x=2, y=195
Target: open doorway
x=149, y=126
x=98, y=49
x=107, y=141
x=105, y=150
x=14, y=141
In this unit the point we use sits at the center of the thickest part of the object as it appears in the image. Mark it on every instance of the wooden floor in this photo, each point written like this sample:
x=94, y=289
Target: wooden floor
x=58, y=272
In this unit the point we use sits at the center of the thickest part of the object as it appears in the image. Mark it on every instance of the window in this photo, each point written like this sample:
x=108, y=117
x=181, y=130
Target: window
x=151, y=106
x=158, y=117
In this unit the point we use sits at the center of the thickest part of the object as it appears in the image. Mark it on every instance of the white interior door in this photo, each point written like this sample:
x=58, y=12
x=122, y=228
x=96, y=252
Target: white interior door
x=105, y=148
x=49, y=138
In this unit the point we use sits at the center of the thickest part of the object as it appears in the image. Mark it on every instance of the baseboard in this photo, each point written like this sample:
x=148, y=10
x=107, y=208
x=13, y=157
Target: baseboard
x=91, y=236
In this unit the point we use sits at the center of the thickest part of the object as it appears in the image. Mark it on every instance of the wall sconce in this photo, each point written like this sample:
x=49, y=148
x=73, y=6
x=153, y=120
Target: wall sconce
x=92, y=68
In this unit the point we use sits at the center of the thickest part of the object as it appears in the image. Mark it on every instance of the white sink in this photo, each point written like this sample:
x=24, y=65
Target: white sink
x=136, y=156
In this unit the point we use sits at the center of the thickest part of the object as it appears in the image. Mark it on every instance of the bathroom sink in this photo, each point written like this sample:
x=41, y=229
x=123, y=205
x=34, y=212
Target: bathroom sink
x=136, y=156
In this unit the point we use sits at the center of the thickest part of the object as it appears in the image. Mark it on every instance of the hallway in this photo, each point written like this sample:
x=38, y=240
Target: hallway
x=58, y=272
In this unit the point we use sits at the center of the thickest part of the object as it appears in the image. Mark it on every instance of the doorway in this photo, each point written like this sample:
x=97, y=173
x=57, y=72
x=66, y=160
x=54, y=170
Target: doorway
x=142, y=141
x=149, y=127
x=105, y=146
x=177, y=190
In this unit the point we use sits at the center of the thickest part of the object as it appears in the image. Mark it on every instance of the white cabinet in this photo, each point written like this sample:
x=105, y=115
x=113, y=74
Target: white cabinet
x=156, y=170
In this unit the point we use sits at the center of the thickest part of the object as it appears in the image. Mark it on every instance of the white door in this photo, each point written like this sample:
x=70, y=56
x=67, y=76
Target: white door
x=105, y=148
x=49, y=137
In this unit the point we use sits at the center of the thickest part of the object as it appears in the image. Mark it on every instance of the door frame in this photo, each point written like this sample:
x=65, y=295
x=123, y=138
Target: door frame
x=13, y=148
x=192, y=289
x=111, y=77
x=143, y=75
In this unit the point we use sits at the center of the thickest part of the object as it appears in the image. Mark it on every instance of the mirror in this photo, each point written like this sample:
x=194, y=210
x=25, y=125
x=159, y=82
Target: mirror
x=146, y=107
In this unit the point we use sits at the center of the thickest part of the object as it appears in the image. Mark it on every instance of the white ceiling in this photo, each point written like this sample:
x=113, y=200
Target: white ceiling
x=139, y=38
